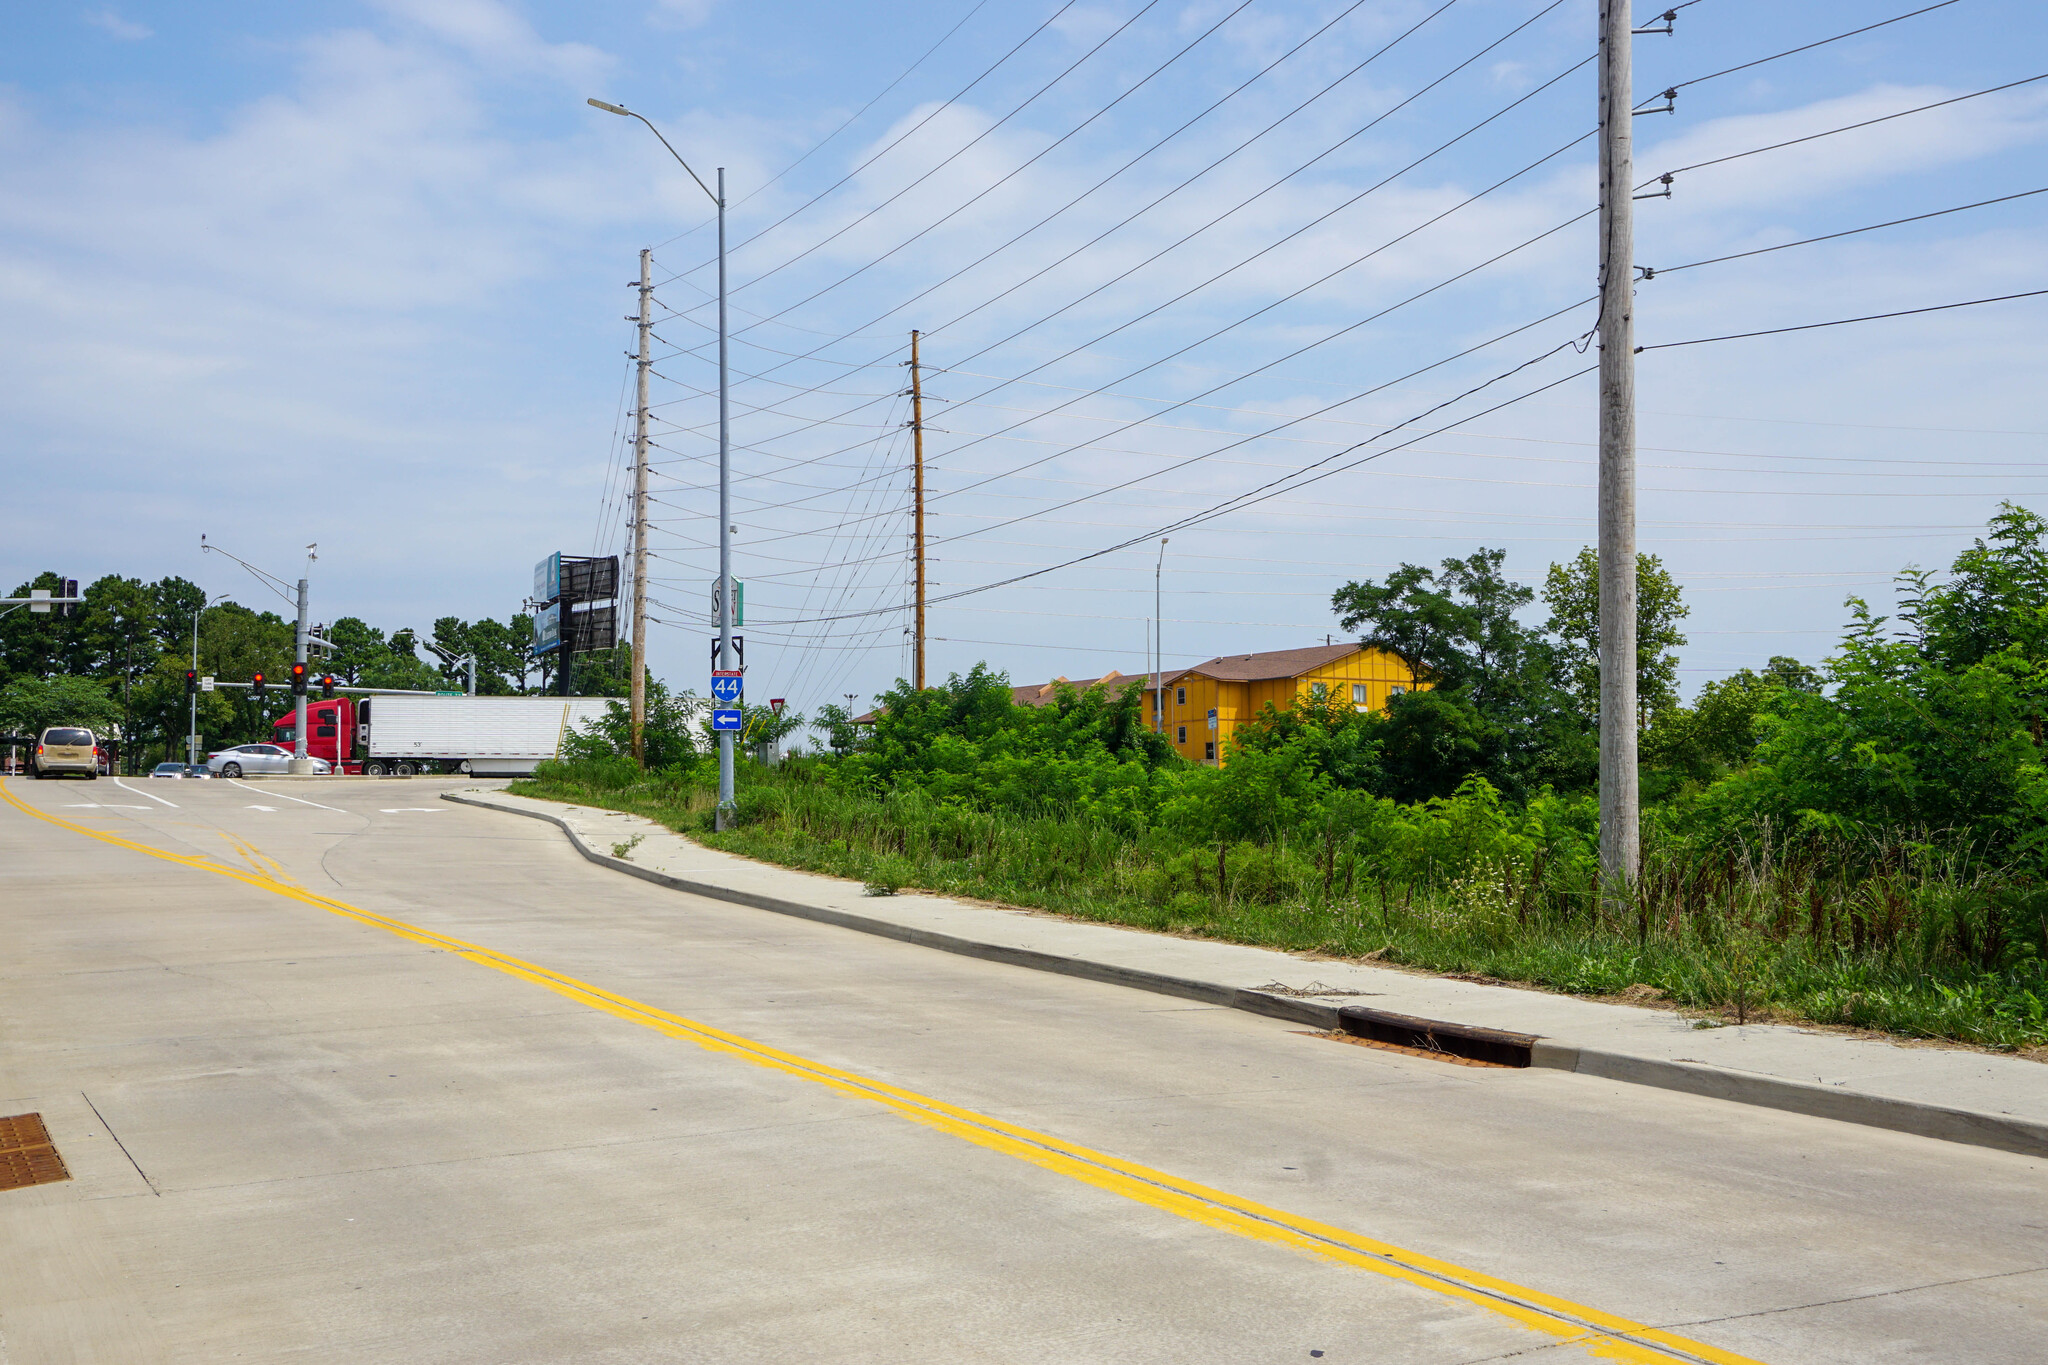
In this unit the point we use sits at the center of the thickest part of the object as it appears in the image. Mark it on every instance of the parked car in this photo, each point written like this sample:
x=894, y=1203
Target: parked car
x=66, y=749
x=179, y=770
x=254, y=759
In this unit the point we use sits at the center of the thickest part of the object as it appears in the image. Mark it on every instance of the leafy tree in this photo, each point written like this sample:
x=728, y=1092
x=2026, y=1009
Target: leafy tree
x=38, y=644
x=837, y=723
x=1498, y=711
x=1455, y=626
x=1719, y=731
x=29, y=705
x=176, y=600
x=668, y=736
x=357, y=646
x=1572, y=592
x=1996, y=598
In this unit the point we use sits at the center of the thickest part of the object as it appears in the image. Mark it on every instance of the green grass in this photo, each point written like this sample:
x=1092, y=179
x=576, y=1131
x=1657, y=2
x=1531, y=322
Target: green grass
x=1895, y=954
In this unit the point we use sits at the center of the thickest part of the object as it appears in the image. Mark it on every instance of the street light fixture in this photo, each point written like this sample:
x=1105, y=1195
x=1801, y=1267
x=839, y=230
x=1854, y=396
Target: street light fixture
x=725, y=593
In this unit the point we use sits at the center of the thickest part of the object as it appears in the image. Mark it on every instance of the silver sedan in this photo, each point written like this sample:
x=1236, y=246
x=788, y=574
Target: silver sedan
x=255, y=759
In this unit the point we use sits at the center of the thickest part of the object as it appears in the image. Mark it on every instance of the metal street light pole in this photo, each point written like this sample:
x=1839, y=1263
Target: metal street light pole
x=726, y=658
x=192, y=735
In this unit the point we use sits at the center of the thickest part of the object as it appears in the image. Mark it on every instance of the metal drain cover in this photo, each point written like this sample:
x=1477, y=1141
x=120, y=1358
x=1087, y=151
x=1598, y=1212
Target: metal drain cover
x=27, y=1156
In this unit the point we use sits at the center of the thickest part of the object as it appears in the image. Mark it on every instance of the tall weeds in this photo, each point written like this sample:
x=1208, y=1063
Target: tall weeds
x=1919, y=936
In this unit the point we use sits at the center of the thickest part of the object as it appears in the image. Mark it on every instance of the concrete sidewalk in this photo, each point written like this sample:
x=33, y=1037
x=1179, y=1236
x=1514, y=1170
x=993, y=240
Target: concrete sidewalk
x=1946, y=1093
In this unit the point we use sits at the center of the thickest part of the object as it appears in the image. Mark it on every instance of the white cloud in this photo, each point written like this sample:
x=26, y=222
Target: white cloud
x=681, y=14
x=495, y=35
x=126, y=30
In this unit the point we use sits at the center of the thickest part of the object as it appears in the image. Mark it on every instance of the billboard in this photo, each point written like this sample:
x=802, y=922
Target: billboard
x=589, y=579
x=593, y=628
x=547, y=578
x=547, y=629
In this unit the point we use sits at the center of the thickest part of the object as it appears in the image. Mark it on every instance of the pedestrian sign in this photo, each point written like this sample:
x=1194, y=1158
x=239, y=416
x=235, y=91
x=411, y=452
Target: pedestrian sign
x=726, y=684
x=725, y=720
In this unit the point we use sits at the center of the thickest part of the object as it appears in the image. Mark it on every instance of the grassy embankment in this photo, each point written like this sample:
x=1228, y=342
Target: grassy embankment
x=1896, y=946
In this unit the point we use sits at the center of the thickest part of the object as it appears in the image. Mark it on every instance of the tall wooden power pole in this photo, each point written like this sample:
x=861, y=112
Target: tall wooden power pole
x=917, y=448
x=1620, y=813
x=640, y=525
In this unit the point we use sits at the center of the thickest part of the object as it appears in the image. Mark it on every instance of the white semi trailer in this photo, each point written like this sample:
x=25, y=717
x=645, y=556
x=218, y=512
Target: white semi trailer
x=397, y=734
x=487, y=736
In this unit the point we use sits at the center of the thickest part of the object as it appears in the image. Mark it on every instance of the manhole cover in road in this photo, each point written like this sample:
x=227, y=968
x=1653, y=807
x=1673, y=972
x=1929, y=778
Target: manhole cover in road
x=27, y=1156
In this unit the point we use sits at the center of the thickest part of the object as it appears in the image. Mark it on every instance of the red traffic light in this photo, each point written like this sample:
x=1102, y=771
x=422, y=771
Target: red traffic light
x=298, y=680
x=191, y=680
x=256, y=684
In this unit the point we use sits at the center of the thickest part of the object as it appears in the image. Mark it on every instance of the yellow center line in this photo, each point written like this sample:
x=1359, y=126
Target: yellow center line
x=1602, y=1334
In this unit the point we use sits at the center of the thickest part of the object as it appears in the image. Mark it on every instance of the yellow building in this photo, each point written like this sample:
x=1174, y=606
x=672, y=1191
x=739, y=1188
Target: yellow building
x=1205, y=704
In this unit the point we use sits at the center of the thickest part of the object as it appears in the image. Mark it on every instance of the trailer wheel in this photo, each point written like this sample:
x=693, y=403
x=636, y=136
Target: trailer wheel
x=402, y=769
x=464, y=768
x=373, y=768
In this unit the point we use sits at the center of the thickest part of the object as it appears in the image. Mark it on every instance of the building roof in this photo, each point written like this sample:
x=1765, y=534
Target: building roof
x=1274, y=663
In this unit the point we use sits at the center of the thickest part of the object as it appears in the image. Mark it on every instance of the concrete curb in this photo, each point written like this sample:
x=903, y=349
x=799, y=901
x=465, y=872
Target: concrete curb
x=1972, y=1127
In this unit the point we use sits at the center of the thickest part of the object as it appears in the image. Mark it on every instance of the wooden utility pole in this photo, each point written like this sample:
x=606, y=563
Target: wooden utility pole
x=640, y=524
x=1620, y=813
x=917, y=448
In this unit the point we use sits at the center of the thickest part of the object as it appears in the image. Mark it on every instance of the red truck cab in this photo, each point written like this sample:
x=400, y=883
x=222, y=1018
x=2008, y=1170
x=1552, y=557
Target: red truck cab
x=330, y=732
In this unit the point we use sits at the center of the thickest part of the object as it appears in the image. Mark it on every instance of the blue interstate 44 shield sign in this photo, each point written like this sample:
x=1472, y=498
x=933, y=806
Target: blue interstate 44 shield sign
x=726, y=684
x=725, y=720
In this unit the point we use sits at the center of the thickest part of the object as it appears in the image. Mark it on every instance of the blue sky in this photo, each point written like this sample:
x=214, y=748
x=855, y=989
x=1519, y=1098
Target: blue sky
x=356, y=274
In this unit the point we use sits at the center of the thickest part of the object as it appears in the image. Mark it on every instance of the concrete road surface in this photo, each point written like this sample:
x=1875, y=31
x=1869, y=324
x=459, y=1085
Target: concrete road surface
x=345, y=1073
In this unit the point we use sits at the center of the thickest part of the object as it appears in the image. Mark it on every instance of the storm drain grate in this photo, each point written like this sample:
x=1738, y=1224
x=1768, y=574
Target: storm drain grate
x=1434, y=1036
x=1434, y=1054
x=27, y=1156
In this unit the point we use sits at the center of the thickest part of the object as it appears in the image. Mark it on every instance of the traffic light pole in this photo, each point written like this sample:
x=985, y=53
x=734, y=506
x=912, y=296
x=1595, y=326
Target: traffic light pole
x=300, y=763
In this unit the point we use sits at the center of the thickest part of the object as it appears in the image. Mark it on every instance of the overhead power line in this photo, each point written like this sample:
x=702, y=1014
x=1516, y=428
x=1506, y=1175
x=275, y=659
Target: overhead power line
x=1845, y=128
x=1795, y=51
x=1651, y=272
x=1843, y=322
x=897, y=141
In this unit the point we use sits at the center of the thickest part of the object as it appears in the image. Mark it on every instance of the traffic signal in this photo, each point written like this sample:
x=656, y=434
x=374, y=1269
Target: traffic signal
x=327, y=688
x=68, y=588
x=298, y=680
x=256, y=687
x=191, y=682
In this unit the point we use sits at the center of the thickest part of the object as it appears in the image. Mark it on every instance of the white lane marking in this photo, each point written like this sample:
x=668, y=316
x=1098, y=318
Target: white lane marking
x=271, y=809
x=151, y=795
x=99, y=805
x=401, y=810
x=282, y=797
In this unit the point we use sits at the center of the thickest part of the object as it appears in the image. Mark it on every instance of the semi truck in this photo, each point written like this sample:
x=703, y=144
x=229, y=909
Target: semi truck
x=399, y=735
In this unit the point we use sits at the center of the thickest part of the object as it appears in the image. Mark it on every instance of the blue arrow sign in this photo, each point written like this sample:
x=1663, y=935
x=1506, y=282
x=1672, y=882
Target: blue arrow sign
x=725, y=720
x=726, y=686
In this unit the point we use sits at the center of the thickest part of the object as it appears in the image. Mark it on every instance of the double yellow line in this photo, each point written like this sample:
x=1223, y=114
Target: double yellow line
x=1604, y=1335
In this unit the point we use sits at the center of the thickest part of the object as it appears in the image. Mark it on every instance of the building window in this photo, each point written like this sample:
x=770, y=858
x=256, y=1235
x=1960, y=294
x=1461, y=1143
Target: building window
x=1180, y=696
x=1182, y=736
x=1320, y=691
x=1209, y=751
x=1358, y=692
